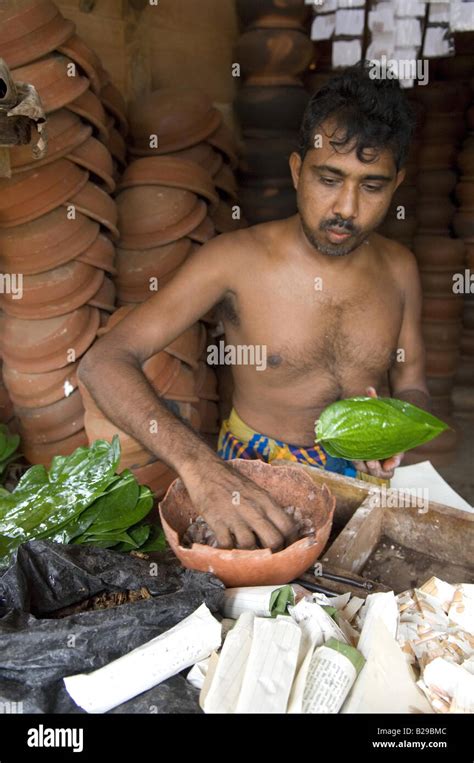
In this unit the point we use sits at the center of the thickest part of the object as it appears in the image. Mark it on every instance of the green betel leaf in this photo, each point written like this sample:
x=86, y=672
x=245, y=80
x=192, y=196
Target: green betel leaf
x=368, y=428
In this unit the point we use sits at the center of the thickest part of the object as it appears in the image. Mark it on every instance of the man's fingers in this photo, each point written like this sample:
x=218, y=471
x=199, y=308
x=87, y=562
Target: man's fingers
x=284, y=523
x=391, y=463
x=360, y=466
x=371, y=392
x=244, y=537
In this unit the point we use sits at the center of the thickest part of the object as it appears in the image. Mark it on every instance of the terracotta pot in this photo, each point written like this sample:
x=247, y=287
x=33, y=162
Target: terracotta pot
x=445, y=127
x=440, y=385
x=468, y=314
x=435, y=216
x=265, y=107
x=44, y=453
x=115, y=318
x=113, y=102
x=441, y=405
x=469, y=260
x=89, y=107
x=183, y=386
x=117, y=147
x=94, y=202
x=188, y=346
x=465, y=194
x=45, y=243
x=157, y=476
x=463, y=223
x=95, y=157
x=463, y=399
x=52, y=422
x=465, y=161
x=161, y=370
x=104, y=298
x=31, y=194
x=171, y=173
x=261, y=204
x=467, y=342
x=465, y=371
x=441, y=362
x=136, y=269
x=206, y=382
x=203, y=154
x=55, y=292
x=203, y=232
x=209, y=413
x=271, y=12
x=273, y=80
x=101, y=254
x=87, y=59
x=273, y=51
x=267, y=155
x=152, y=216
x=180, y=118
x=223, y=218
x=99, y=428
x=34, y=346
x=441, y=334
x=437, y=282
x=223, y=140
x=442, y=308
x=66, y=133
x=437, y=157
x=439, y=252
x=31, y=31
x=226, y=184
x=288, y=486
x=37, y=390
x=51, y=78
x=437, y=183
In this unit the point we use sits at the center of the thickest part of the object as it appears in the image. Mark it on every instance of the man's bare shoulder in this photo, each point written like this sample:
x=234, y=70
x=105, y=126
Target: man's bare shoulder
x=246, y=244
x=397, y=257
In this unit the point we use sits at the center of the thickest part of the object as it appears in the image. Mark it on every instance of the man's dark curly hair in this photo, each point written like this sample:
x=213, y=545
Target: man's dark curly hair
x=372, y=112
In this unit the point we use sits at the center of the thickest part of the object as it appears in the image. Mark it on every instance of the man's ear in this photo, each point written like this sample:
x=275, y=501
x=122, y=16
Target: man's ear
x=295, y=167
x=400, y=177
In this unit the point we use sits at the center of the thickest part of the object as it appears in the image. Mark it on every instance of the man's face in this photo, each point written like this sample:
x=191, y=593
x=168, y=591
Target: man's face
x=340, y=199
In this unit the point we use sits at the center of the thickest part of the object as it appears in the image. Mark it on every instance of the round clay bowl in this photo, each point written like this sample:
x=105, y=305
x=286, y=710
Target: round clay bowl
x=273, y=52
x=465, y=194
x=209, y=413
x=288, y=486
x=465, y=371
x=467, y=342
x=265, y=107
x=188, y=346
x=183, y=386
x=463, y=224
x=203, y=232
x=50, y=77
x=117, y=147
x=442, y=308
x=37, y=390
x=36, y=346
x=180, y=118
x=115, y=318
x=136, y=267
x=101, y=254
x=436, y=183
x=78, y=51
x=132, y=453
x=52, y=422
x=440, y=385
x=104, y=298
x=267, y=155
x=45, y=243
x=89, y=107
x=441, y=334
x=223, y=218
x=94, y=202
x=114, y=103
x=172, y=173
x=261, y=204
x=31, y=31
x=226, y=184
x=152, y=216
x=161, y=370
x=45, y=452
x=439, y=252
x=399, y=229
x=437, y=157
x=55, y=292
x=97, y=159
x=202, y=154
x=440, y=361
x=283, y=11
x=157, y=476
x=223, y=140
x=31, y=194
x=468, y=314
x=439, y=282
x=435, y=216
x=66, y=133
x=206, y=382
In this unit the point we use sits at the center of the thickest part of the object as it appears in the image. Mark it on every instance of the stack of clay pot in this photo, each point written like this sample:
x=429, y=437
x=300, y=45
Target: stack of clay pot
x=273, y=53
x=58, y=225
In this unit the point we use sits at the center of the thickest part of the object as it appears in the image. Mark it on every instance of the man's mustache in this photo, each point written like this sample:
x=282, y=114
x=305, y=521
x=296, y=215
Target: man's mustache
x=339, y=223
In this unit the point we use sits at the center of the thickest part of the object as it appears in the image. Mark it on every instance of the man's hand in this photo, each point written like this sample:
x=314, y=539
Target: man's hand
x=237, y=510
x=384, y=469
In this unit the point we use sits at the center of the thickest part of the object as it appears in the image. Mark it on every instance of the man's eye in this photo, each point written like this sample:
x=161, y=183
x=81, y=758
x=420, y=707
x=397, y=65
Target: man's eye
x=328, y=181
x=373, y=188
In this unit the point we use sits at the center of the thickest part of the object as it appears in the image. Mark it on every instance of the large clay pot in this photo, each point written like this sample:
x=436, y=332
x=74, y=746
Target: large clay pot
x=465, y=371
x=51, y=78
x=435, y=216
x=203, y=154
x=138, y=269
x=267, y=155
x=105, y=296
x=442, y=308
x=183, y=386
x=272, y=13
x=87, y=59
x=288, y=486
x=101, y=254
x=437, y=156
x=444, y=127
x=261, y=108
x=94, y=202
x=31, y=30
x=203, y=232
x=273, y=52
x=439, y=334
x=98, y=427
x=439, y=252
x=437, y=183
x=463, y=399
x=440, y=385
x=463, y=223
x=467, y=342
x=441, y=362
x=66, y=133
x=114, y=103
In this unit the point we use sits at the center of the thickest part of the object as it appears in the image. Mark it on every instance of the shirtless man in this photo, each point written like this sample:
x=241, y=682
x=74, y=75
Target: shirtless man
x=323, y=344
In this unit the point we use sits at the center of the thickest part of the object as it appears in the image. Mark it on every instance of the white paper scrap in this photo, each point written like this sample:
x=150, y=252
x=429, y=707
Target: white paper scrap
x=346, y=53
x=424, y=475
x=378, y=606
x=254, y=599
x=447, y=678
x=323, y=27
x=193, y=639
x=223, y=693
x=270, y=667
x=349, y=23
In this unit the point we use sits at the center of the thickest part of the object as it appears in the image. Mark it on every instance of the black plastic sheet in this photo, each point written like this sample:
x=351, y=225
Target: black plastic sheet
x=36, y=651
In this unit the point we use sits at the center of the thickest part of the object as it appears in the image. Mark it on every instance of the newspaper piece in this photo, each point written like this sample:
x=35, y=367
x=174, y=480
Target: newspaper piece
x=223, y=693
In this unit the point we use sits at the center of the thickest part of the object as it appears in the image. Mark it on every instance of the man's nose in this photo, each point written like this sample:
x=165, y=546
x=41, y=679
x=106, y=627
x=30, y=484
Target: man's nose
x=346, y=203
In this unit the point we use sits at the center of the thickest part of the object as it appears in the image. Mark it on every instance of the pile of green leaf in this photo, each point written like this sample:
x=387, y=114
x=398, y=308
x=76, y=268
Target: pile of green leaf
x=80, y=499
x=8, y=447
x=374, y=428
